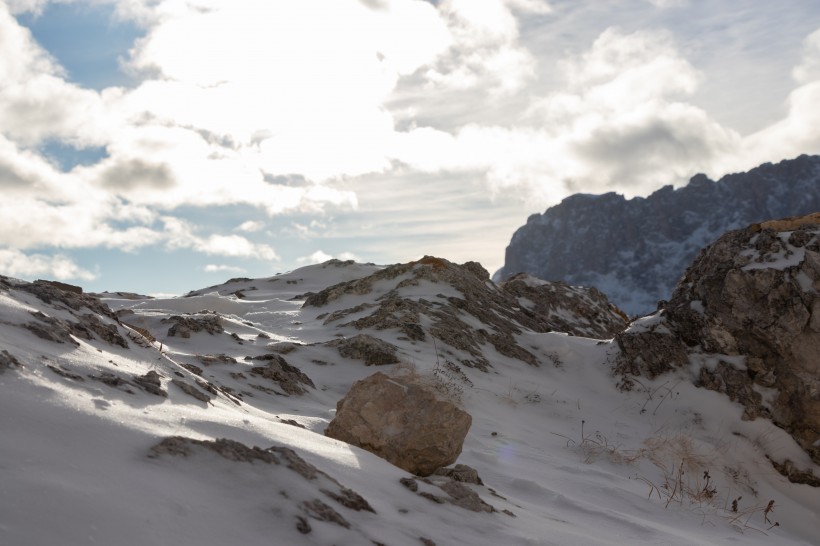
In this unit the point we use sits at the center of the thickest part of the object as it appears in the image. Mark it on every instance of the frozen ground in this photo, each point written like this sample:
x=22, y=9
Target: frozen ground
x=565, y=457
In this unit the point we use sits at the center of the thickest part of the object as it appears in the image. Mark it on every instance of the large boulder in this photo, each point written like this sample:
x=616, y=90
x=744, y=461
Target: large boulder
x=746, y=317
x=401, y=421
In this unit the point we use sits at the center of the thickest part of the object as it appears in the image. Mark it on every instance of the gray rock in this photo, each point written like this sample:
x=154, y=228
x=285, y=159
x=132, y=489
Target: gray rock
x=51, y=329
x=460, y=473
x=290, y=378
x=372, y=351
x=190, y=390
x=184, y=326
x=576, y=310
x=8, y=361
x=503, y=312
x=150, y=383
x=748, y=302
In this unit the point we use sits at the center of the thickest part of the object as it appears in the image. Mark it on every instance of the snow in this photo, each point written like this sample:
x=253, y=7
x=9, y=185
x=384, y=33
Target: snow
x=787, y=256
x=573, y=458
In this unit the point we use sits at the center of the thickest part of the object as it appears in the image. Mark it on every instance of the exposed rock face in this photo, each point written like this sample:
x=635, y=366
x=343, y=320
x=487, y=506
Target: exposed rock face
x=372, y=351
x=290, y=378
x=503, y=312
x=635, y=251
x=66, y=295
x=8, y=361
x=276, y=463
x=576, y=310
x=402, y=422
x=201, y=322
x=747, y=314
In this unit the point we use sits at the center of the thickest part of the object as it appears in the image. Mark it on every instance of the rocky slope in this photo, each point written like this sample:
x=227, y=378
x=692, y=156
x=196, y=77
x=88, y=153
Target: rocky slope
x=636, y=250
x=745, y=321
x=204, y=419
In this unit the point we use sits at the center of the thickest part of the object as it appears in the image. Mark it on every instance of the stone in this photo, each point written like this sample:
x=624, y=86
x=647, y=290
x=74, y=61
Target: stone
x=290, y=378
x=201, y=322
x=576, y=310
x=150, y=383
x=90, y=323
x=749, y=306
x=8, y=361
x=466, y=498
x=503, y=312
x=401, y=421
x=372, y=351
x=190, y=390
x=69, y=296
x=460, y=473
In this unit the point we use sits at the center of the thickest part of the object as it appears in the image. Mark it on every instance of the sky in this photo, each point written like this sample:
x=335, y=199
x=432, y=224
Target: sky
x=160, y=146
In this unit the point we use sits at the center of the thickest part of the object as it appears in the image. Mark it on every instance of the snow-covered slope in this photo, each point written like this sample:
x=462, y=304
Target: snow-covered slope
x=635, y=250
x=564, y=456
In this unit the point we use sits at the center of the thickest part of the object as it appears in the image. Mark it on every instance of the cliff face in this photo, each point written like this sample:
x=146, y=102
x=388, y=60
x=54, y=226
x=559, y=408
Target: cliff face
x=635, y=250
x=745, y=321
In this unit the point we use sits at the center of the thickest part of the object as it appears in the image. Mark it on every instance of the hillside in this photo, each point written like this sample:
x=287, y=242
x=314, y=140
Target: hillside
x=635, y=250
x=200, y=420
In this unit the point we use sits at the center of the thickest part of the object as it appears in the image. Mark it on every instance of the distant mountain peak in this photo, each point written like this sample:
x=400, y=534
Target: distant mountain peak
x=634, y=250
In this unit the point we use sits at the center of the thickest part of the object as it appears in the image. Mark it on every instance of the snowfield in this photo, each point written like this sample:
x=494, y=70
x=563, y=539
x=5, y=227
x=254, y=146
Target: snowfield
x=566, y=458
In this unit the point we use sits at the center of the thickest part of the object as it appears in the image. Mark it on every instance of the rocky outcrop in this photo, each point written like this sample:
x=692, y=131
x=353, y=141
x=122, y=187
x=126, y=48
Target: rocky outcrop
x=746, y=317
x=184, y=326
x=636, y=250
x=370, y=350
x=290, y=378
x=278, y=465
x=401, y=421
x=67, y=296
x=8, y=361
x=576, y=310
x=465, y=298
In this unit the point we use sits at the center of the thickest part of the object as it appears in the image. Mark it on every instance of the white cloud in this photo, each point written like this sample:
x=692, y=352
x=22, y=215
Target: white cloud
x=182, y=235
x=220, y=268
x=485, y=52
x=619, y=123
x=320, y=256
x=668, y=3
x=293, y=91
x=36, y=103
x=530, y=7
x=15, y=263
x=251, y=226
x=809, y=68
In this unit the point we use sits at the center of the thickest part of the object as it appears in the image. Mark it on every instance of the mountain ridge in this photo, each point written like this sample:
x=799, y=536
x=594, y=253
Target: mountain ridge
x=634, y=250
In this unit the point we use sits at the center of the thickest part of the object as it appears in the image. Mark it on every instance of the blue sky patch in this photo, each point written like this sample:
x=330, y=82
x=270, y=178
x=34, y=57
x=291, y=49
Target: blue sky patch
x=87, y=40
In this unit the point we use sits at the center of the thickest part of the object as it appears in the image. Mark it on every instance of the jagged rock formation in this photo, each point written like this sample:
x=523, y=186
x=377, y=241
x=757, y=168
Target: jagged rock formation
x=579, y=310
x=502, y=312
x=636, y=250
x=200, y=322
x=75, y=314
x=372, y=351
x=746, y=317
x=290, y=378
x=402, y=421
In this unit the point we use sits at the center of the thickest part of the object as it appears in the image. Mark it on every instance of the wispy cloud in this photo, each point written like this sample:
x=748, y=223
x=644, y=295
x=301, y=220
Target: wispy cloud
x=220, y=268
x=16, y=263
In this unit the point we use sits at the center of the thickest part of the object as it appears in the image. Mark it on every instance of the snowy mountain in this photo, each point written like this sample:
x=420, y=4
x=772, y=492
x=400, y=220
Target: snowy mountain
x=200, y=420
x=635, y=250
